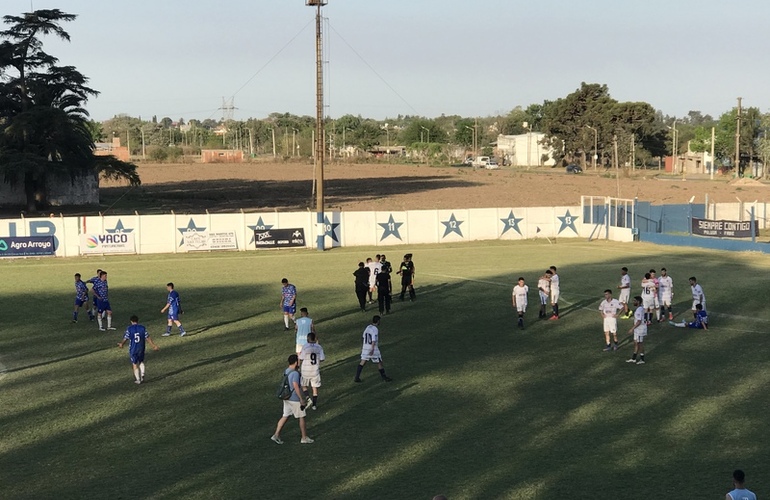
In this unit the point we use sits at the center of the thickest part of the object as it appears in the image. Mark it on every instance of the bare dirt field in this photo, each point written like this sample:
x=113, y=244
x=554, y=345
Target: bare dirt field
x=383, y=186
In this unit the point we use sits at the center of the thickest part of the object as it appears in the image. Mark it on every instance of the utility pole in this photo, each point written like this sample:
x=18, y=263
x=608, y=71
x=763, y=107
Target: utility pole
x=615, y=159
x=319, y=129
x=713, y=163
x=738, y=139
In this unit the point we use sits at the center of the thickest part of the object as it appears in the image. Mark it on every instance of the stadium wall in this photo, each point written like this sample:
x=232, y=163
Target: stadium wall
x=152, y=234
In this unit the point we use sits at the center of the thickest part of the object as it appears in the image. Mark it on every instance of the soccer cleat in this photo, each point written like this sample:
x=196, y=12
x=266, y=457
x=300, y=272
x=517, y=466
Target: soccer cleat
x=183, y=334
x=306, y=440
x=356, y=379
x=276, y=439
x=110, y=328
x=137, y=382
x=102, y=329
x=672, y=323
x=640, y=362
x=167, y=334
x=387, y=379
x=285, y=328
x=608, y=348
x=314, y=407
x=670, y=316
x=614, y=347
x=631, y=360
x=74, y=321
x=554, y=317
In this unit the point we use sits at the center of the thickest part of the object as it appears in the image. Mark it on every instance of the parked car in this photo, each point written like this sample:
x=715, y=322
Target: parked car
x=492, y=165
x=574, y=169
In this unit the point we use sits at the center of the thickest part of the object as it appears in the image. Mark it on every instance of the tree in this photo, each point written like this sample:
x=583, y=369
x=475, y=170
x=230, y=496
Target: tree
x=44, y=128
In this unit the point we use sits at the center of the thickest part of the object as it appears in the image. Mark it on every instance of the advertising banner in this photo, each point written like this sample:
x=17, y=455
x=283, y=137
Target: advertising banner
x=27, y=246
x=107, y=243
x=197, y=241
x=723, y=228
x=279, y=238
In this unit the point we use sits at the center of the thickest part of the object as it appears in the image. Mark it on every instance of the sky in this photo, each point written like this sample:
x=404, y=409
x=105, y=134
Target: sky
x=180, y=58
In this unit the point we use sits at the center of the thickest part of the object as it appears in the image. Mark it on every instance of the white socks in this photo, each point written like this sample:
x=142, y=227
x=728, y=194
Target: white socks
x=136, y=375
x=286, y=320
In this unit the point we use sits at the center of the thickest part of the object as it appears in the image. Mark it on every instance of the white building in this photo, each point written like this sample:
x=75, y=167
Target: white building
x=525, y=150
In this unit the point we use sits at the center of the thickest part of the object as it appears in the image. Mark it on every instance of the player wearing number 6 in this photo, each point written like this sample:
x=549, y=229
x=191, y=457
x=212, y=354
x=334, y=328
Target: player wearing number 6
x=136, y=335
x=311, y=356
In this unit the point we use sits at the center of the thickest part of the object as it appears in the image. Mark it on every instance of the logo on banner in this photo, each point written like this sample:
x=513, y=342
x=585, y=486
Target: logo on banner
x=390, y=228
x=511, y=222
x=191, y=228
x=568, y=221
x=330, y=229
x=119, y=228
x=106, y=243
x=260, y=225
x=452, y=226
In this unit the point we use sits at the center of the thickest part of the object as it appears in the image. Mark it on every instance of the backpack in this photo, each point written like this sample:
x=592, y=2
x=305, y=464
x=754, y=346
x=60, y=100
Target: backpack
x=284, y=390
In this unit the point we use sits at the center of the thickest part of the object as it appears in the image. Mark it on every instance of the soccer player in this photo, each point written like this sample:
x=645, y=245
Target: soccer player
x=288, y=302
x=648, y=297
x=639, y=330
x=700, y=320
x=609, y=309
x=555, y=292
x=81, y=298
x=136, y=335
x=406, y=271
x=656, y=298
x=311, y=356
x=666, y=293
x=740, y=492
x=101, y=291
x=93, y=281
x=519, y=299
x=374, y=269
x=362, y=284
x=697, y=294
x=174, y=308
x=303, y=327
x=371, y=350
x=544, y=290
x=384, y=290
x=294, y=406
x=625, y=291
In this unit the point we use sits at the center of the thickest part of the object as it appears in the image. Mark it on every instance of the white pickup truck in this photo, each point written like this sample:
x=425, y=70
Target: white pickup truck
x=485, y=162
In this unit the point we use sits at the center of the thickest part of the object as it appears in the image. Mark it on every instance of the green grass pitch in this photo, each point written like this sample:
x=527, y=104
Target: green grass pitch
x=477, y=409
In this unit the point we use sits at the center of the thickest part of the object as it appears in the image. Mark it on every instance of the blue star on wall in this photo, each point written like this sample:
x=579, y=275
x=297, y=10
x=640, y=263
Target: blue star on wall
x=119, y=228
x=452, y=226
x=191, y=227
x=568, y=221
x=511, y=222
x=390, y=228
x=330, y=229
x=260, y=225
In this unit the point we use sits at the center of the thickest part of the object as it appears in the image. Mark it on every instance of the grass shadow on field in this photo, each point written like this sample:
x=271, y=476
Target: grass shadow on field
x=477, y=409
x=230, y=195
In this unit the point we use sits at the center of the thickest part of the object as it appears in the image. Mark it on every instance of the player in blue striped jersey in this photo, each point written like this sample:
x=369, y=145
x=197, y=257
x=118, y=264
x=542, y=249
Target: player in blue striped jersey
x=101, y=291
x=174, y=308
x=81, y=298
x=288, y=302
x=92, y=282
x=137, y=335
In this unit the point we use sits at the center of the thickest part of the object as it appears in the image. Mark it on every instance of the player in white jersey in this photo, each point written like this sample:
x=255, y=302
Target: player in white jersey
x=374, y=269
x=544, y=290
x=665, y=294
x=625, y=291
x=519, y=299
x=639, y=330
x=311, y=356
x=654, y=279
x=609, y=309
x=555, y=292
x=698, y=297
x=371, y=350
x=648, y=297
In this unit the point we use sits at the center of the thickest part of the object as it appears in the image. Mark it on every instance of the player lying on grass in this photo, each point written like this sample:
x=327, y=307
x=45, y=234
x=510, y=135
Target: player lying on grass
x=700, y=320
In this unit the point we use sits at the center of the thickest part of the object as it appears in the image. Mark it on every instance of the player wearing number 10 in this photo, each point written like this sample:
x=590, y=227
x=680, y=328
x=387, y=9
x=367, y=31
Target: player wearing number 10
x=136, y=335
x=311, y=356
x=371, y=350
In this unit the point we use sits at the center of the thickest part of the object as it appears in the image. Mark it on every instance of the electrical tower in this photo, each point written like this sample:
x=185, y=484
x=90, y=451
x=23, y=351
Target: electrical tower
x=228, y=109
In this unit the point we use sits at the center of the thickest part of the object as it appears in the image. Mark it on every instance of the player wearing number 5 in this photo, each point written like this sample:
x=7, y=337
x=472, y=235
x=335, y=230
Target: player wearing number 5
x=311, y=356
x=136, y=335
x=371, y=350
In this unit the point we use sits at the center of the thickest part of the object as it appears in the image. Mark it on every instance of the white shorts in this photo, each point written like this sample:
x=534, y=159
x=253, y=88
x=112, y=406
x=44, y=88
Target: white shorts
x=648, y=302
x=695, y=302
x=298, y=348
x=292, y=408
x=544, y=296
x=656, y=302
x=521, y=306
x=375, y=357
x=640, y=333
x=625, y=294
x=555, y=296
x=611, y=325
x=665, y=299
x=311, y=381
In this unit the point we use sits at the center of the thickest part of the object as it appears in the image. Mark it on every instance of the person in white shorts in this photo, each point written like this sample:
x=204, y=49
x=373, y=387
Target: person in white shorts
x=311, y=356
x=374, y=270
x=656, y=298
x=648, y=297
x=371, y=350
x=666, y=294
x=697, y=294
x=555, y=292
x=519, y=299
x=609, y=309
x=294, y=406
x=544, y=290
x=625, y=291
x=639, y=330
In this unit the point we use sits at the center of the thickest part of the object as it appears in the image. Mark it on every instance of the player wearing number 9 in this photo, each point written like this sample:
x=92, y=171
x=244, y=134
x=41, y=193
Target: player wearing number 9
x=311, y=356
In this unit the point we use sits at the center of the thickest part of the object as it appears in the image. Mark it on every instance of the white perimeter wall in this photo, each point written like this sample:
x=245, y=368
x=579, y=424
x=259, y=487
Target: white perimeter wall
x=165, y=233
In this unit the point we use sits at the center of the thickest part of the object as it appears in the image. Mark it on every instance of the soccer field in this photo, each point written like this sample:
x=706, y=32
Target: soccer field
x=478, y=408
